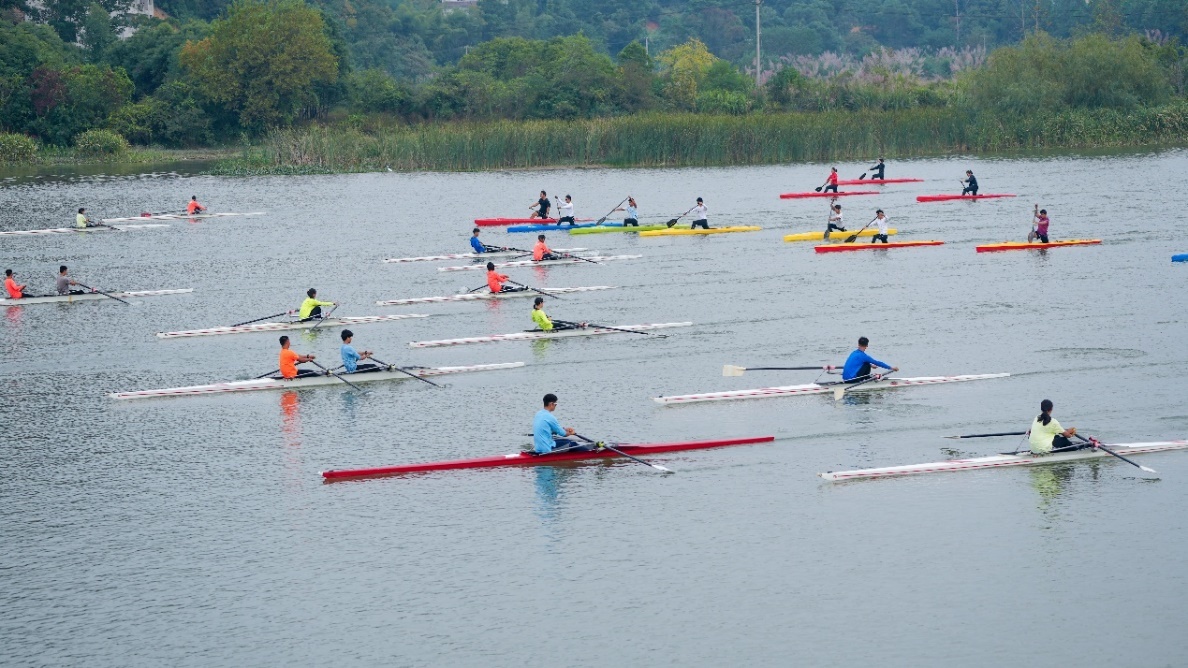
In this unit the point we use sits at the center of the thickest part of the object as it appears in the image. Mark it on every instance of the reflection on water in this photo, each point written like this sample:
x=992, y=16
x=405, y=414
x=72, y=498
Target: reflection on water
x=290, y=403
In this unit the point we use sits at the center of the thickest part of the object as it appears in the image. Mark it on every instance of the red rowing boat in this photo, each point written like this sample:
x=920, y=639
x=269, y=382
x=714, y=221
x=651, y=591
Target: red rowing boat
x=875, y=182
x=946, y=198
x=495, y=222
x=833, y=248
x=526, y=459
x=837, y=194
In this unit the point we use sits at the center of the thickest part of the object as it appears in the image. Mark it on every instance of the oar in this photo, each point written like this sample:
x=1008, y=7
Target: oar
x=396, y=368
x=731, y=370
x=528, y=287
x=840, y=391
x=103, y=293
x=603, y=219
x=324, y=318
x=673, y=221
x=274, y=315
x=1097, y=444
x=850, y=239
x=617, y=329
x=624, y=454
x=313, y=362
x=575, y=257
x=1001, y=433
x=266, y=374
x=1031, y=233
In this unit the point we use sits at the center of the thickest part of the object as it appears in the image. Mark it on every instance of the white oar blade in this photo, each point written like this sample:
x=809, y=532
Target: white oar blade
x=661, y=468
x=1148, y=470
x=838, y=393
x=731, y=370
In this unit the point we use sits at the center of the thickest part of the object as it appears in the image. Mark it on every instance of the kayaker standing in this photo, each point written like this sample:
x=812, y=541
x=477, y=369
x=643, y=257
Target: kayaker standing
x=859, y=365
x=1046, y=434
x=546, y=324
x=565, y=212
x=878, y=171
x=548, y=435
x=835, y=220
x=883, y=224
x=542, y=206
x=700, y=216
x=1041, y=225
x=971, y=184
x=831, y=182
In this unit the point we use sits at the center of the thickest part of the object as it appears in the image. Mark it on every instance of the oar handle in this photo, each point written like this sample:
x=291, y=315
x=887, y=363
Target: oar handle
x=314, y=362
x=396, y=368
x=102, y=293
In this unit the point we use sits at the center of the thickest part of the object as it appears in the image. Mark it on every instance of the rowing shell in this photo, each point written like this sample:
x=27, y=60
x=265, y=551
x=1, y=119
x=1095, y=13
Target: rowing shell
x=473, y=256
x=834, y=248
x=276, y=383
x=712, y=230
x=837, y=194
x=1006, y=460
x=820, y=388
x=80, y=230
x=946, y=198
x=819, y=236
x=476, y=296
x=598, y=259
x=285, y=326
x=494, y=222
x=603, y=229
x=89, y=296
x=529, y=459
x=1023, y=245
x=875, y=182
x=535, y=334
x=181, y=216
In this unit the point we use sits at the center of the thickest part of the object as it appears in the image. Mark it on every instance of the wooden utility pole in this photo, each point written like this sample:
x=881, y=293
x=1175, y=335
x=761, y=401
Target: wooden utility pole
x=757, y=3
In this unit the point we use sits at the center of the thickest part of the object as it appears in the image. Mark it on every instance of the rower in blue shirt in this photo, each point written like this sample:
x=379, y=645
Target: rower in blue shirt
x=545, y=429
x=858, y=364
x=351, y=357
x=478, y=246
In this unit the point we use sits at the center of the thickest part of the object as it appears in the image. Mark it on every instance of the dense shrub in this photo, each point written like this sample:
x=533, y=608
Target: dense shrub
x=100, y=144
x=15, y=149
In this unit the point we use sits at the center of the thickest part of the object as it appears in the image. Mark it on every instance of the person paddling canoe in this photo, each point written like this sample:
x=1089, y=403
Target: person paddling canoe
x=289, y=360
x=1041, y=225
x=541, y=250
x=835, y=219
x=831, y=182
x=63, y=282
x=883, y=223
x=565, y=212
x=971, y=184
x=859, y=365
x=545, y=324
x=194, y=207
x=15, y=290
x=311, y=308
x=495, y=281
x=542, y=206
x=878, y=170
x=1046, y=435
x=548, y=435
x=700, y=216
x=352, y=357
x=632, y=219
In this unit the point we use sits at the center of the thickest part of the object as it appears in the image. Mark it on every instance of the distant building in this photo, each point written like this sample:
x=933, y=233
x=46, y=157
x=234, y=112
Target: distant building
x=137, y=7
x=451, y=5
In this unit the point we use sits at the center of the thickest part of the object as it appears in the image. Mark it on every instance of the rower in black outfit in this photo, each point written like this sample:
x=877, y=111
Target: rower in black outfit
x=544, y=205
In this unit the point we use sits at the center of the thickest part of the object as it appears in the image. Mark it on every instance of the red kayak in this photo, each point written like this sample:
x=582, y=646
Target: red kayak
x=875, y=182
x=838, y=194
x=946, y=198
x=495, y=222
x=834, y=248
x=527, y=459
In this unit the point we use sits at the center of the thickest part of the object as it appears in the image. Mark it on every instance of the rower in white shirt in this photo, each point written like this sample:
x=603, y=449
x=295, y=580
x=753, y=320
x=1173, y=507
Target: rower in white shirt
x=883, y=223
x=565, y=211
x=700, y=216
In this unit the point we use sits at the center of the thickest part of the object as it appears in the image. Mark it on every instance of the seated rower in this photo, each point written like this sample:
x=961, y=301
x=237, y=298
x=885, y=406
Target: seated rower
x=541, y=250
x=565, y=212
x=835, y=220
x=194, y=207
x=15, y=290
x=545, y=324
x=495, y=281
x=311, y=308
x=546, y=429
x=478, y=246
x=858, y=364
x=63, y=283
x=352, y=357
x=82, y=222
x=290, y=359
x=1047, y=436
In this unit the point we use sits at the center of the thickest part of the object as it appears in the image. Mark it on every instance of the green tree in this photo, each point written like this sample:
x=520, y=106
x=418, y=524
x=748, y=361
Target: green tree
x=150, y=56
x=263, y=61
x=683, y=68
x=98, y=32
x=71, y=101
x=637, y=77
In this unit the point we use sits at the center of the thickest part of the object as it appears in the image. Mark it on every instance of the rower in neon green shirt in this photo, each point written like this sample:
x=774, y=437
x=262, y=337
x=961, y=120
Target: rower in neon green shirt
x=545, y=324
x=312, y=307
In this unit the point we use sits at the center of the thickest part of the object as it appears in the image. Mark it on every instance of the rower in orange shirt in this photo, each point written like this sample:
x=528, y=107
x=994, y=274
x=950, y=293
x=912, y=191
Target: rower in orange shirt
x=541, y=250
x=15, y=290
x=194, y=207
x=290, y=359
x=495, y=280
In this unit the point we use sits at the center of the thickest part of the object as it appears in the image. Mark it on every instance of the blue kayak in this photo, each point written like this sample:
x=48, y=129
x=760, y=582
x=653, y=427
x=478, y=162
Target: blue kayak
x=1182, y=257
x=557, y=228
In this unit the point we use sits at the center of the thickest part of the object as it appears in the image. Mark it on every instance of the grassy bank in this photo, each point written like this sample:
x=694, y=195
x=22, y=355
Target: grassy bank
x=657, y=140
x=133, y=156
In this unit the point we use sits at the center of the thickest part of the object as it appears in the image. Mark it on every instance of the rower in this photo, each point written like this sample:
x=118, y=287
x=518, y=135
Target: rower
x=1041, y=225
x=971, y=184
x=1047, y=436
x=565, y=212
x=883, y=223
x=858, y=364
x=311, y=308
x=478, y=246
x=835, y=219
x=495, y=281
x=878, y=170
x=290, y=359
x=81, y=221
x=545, y=324
x=15, y=290
x=831, y=182
x=541, y=250
x=543, y=205
x=700, y=216
x=194, y=207
x=632, y=219
x=351, y=357
x=63, y=283
x=546, y=429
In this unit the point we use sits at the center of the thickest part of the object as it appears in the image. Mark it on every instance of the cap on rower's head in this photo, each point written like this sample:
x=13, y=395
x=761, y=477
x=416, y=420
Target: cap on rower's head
x=62, y=269
x=284, y=341
x=346, y=334
x=699, y=199
x=490, y=266
x=537, y=302
x=311, y=292
x=863, y=342
x=550, y=398
x=1046, y=406
x=540, y=237
x=475, y=231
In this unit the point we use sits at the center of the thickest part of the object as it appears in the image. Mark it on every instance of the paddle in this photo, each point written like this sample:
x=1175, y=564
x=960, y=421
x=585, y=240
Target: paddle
x=731, y=370
x=396, y=368
x=617, y=329
x=336, y=375
x=603, y=219
x=324, y=318
x=853, y=237
x=274, y=315
x=840, y=391
x=818, y=188
x=1097, y=444
x=103, y=293
x=862, y=177
x=1001, y=433
x=673, y=221
x=1035, y=216
x=624, y=454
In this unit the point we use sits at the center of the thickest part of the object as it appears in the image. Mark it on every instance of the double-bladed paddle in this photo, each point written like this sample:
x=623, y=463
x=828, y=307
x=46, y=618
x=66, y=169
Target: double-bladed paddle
x=104, y=293
x=624, y=454
x=732, y=370
x=396, y=368
x=617, y=329
x=274, y=315
x=850, y=239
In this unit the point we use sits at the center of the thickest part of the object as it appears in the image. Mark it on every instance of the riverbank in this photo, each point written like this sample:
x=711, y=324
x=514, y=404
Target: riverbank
x=688, y=140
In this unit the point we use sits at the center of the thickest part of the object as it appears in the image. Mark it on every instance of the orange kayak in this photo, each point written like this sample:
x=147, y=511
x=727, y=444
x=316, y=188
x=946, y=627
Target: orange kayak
x=1023, y=245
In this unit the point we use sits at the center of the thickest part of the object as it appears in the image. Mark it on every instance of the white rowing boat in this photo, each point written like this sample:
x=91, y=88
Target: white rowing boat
x=474, y=256
x=1005, y=460
x=487, y=296
x=277, y=383
x=80, y=230
x=820, y=388
x=89, y=296
x=182, y=216
x=288, y=325
x=598, y=259
x=535, y=334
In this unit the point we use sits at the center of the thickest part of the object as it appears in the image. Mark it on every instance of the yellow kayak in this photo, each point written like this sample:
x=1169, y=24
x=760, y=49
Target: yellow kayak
x=820, y=236
x=713, y=230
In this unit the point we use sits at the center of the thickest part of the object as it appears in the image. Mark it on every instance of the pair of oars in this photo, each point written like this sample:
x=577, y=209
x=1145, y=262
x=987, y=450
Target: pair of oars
x=838, y=392
x=1091, y=442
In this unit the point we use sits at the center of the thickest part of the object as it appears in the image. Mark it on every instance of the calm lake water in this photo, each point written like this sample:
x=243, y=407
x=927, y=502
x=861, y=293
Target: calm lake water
x=197, y=531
